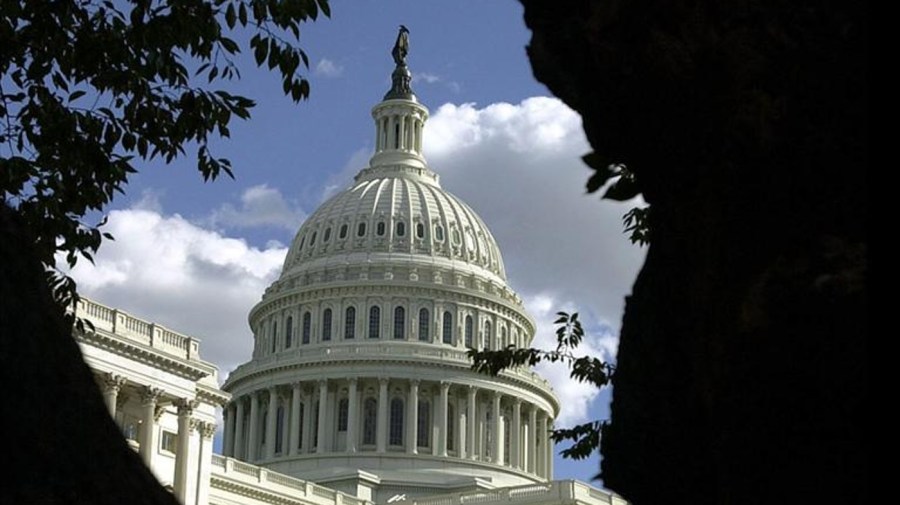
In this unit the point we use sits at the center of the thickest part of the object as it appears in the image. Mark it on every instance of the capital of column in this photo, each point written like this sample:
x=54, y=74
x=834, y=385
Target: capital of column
x=352, y=381
x=150, y=395
x=207, y=430
x=414, y=382
x=186, y=406
x=445, y=386
x=383, y=381
x=113, y=382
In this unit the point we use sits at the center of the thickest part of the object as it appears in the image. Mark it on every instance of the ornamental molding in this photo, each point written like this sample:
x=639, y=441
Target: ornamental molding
x=111, y=342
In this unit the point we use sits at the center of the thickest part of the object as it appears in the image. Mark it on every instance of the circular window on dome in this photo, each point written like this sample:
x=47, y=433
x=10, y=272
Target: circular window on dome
x=379, y=229
x=439, y=233
x=401, y=228
x=343, y=232
x=420, y=230
x=361, y=230
x=327, y=236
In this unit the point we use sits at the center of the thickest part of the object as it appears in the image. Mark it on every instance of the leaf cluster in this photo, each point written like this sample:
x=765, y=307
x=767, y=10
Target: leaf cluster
x=89, y=87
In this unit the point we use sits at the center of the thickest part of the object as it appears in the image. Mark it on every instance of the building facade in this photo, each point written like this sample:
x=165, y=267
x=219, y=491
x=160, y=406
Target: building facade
x=358, y=390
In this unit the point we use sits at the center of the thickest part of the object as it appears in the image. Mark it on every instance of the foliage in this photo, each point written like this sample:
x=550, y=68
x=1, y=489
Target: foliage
x=621, y=185
x=569, y=334
x=90, y=87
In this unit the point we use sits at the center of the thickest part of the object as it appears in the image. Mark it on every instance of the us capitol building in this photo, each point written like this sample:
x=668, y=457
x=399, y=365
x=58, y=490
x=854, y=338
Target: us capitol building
x=359, y=390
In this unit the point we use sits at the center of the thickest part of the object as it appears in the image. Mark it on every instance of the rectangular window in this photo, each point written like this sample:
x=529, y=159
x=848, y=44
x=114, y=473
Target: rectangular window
x=168, y=441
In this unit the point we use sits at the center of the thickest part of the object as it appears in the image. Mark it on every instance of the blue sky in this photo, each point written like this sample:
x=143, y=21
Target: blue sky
x=196, y=256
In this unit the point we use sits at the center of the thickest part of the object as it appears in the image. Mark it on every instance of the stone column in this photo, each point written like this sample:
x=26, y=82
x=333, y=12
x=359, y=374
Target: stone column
x=471, y=423
x=381, y=425
x=207, y=431
x=307, y=423
x=541, y=449
x=515, y=434
x=228, y=430
x=270, y=423
x=442, y=419
x=531, y=443
x=497, y=449
x=352, y=416
x=149, y=398
x=239, y=429
x=112, y=384
x=412, y=418
x=294, y=438
x=459, y=426
x=253, y=434
x=323, y=412
x=548, y=466
x=186, y=425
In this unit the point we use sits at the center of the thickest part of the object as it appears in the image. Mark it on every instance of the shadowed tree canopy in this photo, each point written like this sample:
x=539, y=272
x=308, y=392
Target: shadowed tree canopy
x=87, y=89
x=742, y=368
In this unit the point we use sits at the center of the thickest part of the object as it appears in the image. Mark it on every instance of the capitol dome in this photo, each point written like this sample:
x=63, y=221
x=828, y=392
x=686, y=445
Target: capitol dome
x=360, y=378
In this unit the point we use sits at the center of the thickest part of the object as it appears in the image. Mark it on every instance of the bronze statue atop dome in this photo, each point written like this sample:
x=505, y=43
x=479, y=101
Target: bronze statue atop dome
x=401, y=47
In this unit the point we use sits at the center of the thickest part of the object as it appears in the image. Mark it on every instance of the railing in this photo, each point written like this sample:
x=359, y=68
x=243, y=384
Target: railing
x=560, y=492
x=138, y=330
x=265, y=479
x=411, y=350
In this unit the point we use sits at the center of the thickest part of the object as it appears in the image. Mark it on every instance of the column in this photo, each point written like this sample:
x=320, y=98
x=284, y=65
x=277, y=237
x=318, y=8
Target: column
x=352, y=416
x=471, y=423
x=381, y=426
x=412, y=418
x=186, y=425
x=515, y=434
x=294, y=438
x=531, y=443
x=112, y=384
x=459, y=426
x=548, y=466
x=307, y=423
x=228, y=430
x=541, y=446
x=149, y=398
x=285, y=426
x=270, y=423
x=442, y=419
x=207, y=431
x=497, y=449
x=253, y=435
x=239, y=429
x=323, y=411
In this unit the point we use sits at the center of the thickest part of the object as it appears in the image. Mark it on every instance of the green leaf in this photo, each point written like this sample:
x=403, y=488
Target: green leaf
x=230, y=16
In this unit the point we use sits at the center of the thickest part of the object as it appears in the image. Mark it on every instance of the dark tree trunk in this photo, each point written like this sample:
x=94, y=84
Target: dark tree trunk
x=742, y=367
x=62, y=447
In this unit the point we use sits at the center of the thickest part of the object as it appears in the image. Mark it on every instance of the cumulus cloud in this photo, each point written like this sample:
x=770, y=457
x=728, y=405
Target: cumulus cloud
x=192, y=280
x=260, y=206
x=518, y=166
x=328, y=68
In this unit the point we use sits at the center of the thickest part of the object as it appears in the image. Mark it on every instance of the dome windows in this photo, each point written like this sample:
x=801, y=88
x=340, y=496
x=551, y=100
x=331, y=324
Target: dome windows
x=343, y=232
x=439, y=233
x=375, y=322
x=326, y=325
x=350, y=323
x=455, y=235
x=380, y=229
x=327, y=236
x=424, y=325
x=420, y=230
x=399, y=323
x=312, y=240
x=401, y=228
x=447, y=335
x=361, y=230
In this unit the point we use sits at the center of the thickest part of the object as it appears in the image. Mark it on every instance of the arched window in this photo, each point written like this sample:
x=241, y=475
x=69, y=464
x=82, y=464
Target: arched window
x=326, y=324
x=439, y=233
x=343, y=232
x=448, y=328
x=420, y=230
x=312, y=240
x=343, y=408
x=451, y=433
x=288, y=332
x=302, y=240
x=424, y=325
x=488, y=337
x=361, y=230
x=401, y=228
x=307, y=327
x=375, y=322
x=423, y=424
x=274, y=335
x=469, y=330
x=370, y=416
x=399, y=323
x=350, y=323
x=327, y=234
x=379, y=229
x=279, y=429
x=395, y=435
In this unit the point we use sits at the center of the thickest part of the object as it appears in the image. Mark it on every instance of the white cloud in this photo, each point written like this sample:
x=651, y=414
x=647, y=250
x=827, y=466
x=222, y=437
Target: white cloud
x=518, y=166
x=328, y=68
x=260, y=206
x=189, y=279
x=425, y=77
